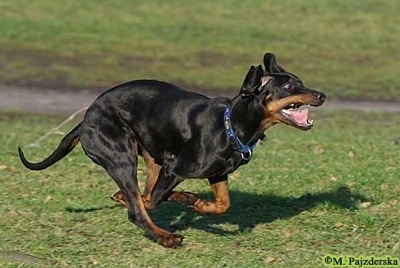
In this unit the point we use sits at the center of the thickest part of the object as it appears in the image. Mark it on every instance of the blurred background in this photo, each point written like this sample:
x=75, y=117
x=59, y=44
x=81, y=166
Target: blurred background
x=348, y=49
x=332, y=190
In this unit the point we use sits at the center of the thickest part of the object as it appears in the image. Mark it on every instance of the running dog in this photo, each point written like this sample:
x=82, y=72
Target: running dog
x=182, y=134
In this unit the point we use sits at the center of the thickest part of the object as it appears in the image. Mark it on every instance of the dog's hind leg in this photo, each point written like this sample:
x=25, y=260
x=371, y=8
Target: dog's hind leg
x=162, y=188
x=152, y=172
x=137, y=212
x=119, y=158
x=219, y=187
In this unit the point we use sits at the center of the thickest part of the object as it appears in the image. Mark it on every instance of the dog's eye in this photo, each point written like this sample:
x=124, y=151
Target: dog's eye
x=287, y=87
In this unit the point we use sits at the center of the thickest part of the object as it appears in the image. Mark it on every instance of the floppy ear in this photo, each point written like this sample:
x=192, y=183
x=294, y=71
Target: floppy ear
x=252, y=80
x=270, y=64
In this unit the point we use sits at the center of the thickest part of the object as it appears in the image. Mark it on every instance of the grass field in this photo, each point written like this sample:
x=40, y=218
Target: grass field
x=347, y=48
x=332, y=190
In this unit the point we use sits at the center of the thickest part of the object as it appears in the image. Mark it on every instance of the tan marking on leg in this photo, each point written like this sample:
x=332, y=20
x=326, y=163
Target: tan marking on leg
x=185, y=198
x=119, y=197
x=153, y=170
x=221, y=203
x=74, y=143
x=162, y=236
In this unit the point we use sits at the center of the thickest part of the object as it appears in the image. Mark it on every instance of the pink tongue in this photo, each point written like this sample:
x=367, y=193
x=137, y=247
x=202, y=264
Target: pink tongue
x=300, y=116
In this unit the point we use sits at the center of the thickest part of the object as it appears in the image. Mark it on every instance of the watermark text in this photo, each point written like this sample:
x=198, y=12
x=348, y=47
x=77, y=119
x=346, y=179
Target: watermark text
x=360, y=261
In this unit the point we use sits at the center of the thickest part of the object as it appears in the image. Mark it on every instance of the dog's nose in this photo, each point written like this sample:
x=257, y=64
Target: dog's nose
x=321, y=96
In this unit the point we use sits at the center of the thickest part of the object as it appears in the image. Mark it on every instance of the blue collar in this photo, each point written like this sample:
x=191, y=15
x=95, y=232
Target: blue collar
x=245, y=150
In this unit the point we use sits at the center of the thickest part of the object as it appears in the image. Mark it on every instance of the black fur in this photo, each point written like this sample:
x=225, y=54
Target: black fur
x=181, y=132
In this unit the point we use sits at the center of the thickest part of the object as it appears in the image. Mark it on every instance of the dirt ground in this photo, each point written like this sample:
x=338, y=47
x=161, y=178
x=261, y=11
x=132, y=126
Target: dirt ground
x=65, y=102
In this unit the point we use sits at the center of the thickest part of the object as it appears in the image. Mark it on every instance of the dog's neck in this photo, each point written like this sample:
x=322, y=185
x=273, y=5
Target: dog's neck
x=246, y=119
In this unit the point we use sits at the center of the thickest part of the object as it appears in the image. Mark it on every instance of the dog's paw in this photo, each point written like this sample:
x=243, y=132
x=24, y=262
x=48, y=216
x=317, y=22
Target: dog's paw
x=184, y=198
x=119, y=198
x=170, y=241
x=207, y=207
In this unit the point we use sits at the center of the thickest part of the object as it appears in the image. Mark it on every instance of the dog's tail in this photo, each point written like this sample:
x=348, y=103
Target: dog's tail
x=66, y=145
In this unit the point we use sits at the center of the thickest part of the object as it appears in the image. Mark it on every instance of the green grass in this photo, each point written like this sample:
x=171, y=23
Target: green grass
x=331, y=190
x=349, y=49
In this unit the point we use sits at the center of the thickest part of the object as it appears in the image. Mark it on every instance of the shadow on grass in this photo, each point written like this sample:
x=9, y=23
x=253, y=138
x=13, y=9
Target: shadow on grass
x=249, y=209
x=76, y=209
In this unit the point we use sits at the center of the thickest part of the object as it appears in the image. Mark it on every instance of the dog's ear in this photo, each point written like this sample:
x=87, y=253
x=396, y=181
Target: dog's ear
x=271, y=66
x=252, y=80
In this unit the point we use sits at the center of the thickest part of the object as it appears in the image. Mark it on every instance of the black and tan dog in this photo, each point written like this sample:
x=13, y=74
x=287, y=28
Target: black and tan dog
x=182, y=134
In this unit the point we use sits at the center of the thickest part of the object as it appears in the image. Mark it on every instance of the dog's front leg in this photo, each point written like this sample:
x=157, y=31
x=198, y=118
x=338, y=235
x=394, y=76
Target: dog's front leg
x=219, y=187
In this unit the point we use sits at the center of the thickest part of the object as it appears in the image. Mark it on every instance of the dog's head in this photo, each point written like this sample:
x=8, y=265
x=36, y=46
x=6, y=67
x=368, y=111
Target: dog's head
x=282, y=94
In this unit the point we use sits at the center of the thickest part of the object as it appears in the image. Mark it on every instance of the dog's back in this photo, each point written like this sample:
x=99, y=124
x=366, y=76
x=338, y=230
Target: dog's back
x=172, y=115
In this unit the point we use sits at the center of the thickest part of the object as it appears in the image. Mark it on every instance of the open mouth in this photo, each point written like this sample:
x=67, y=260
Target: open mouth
x=296, y=116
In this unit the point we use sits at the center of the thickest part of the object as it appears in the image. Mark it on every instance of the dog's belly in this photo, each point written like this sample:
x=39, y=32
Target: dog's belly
x=199, y=165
